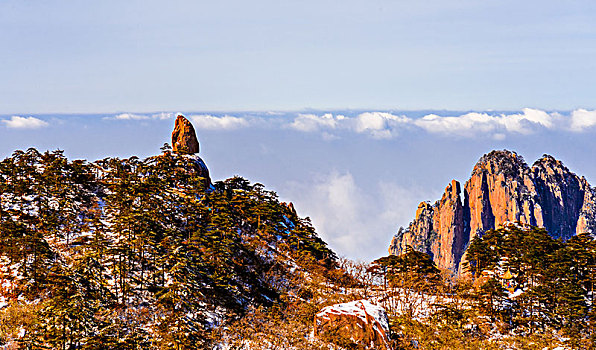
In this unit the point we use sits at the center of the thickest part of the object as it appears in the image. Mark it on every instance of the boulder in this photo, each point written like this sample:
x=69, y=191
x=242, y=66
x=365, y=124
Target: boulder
x=357, y=323
x=184, y=138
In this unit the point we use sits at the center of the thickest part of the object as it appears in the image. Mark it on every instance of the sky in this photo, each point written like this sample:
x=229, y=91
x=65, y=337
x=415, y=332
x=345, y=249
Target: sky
x=359, y=175
x=116, y=56
x=354, y=110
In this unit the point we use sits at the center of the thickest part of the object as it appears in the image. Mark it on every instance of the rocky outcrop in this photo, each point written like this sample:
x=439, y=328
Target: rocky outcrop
x=200, y=168
x=356, y=324
x=185, y=142
x=502, y=188
x=445, y=218
x=184, y=138
x=567, y=200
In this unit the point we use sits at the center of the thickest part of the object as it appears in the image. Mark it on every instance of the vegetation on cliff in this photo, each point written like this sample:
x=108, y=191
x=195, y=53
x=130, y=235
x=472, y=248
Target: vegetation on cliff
x=129, y=253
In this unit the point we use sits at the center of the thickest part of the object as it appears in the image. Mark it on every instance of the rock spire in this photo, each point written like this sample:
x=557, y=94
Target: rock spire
x=184, y=138
x=185, y=142
x=501, y=189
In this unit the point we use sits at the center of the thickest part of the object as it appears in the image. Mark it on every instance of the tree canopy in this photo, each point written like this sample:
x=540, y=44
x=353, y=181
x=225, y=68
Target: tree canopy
x=131, y=253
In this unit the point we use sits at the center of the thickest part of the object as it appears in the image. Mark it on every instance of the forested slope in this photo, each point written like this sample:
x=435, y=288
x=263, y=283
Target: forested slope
x=130, y=253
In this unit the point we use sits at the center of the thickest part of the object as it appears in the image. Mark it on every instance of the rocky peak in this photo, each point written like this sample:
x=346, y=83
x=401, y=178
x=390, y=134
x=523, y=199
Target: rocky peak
x=184, y=138
x=185, y=142
x=563, y=195
x=548, y=159
x=502, y=188
x=445, y=218
x=452, y=191
x=505, y=162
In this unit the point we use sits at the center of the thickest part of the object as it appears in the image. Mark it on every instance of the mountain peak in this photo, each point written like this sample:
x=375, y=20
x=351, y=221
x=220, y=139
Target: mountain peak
x=501, y=162
x=549, y=162
x=501, y=189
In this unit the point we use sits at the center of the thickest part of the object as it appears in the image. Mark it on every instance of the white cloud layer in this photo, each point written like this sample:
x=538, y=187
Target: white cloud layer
x=379, y=124
x=376, y=124
x=227, y=122
x=582, y=119
x=313, y=122
x=164, y=115
x=17, y=122
x=382, y=125
x=476, y=124
x=130, y=116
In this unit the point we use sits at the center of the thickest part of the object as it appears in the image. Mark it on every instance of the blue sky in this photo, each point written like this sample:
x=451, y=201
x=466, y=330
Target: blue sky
x=111, y=56
x=382, y=102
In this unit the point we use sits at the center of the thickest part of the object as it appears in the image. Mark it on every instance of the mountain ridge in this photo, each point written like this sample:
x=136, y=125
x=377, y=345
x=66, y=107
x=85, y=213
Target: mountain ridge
x=502, y=188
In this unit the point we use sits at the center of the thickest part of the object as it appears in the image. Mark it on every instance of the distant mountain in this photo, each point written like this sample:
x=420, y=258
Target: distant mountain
x=502, y=188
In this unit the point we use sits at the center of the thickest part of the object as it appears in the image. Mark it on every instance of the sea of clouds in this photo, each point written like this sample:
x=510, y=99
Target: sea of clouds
x=377, y=124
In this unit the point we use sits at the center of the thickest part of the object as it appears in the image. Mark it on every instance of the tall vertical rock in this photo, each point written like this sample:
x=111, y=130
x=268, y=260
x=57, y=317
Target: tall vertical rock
x=449, y=221
x=563, y=195
x=438, y=229
x=184, y=138
x=502, y=188
x=185, y=142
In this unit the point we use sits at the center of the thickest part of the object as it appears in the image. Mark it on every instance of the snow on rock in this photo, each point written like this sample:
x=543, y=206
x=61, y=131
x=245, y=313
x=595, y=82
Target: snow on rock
x=358, y=321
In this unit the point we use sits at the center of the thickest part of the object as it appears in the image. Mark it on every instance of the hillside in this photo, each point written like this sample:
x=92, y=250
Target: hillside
x=153, y=254
x=130, y=253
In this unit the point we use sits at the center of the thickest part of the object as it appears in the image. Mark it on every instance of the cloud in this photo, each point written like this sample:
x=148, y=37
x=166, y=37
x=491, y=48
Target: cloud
x=355, y=222
x=313, y=122
x=582, y=119
x=480, y=124
x=335, y=205
x=163, y=115
x=18, y=122
x=128, y=116
x=376, y=124
x=227, y=122
x=132, y=116
x=385, y=125
x=379, y=125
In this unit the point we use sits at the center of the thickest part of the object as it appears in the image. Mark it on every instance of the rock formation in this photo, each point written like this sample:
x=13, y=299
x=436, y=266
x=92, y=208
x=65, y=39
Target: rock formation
x=184, y=138
x=185, y=142
x=502, y=188
x=359, y=322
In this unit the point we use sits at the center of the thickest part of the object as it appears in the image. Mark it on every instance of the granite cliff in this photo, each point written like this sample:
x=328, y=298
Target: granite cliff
x=502, y=188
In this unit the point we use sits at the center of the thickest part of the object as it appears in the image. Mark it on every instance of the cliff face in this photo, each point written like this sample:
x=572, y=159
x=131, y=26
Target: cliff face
x=502, y=188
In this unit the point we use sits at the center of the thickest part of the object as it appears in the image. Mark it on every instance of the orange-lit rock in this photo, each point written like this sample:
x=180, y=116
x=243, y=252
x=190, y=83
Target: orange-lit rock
x=502, y=188
x=185, y=142
x=184, y=138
